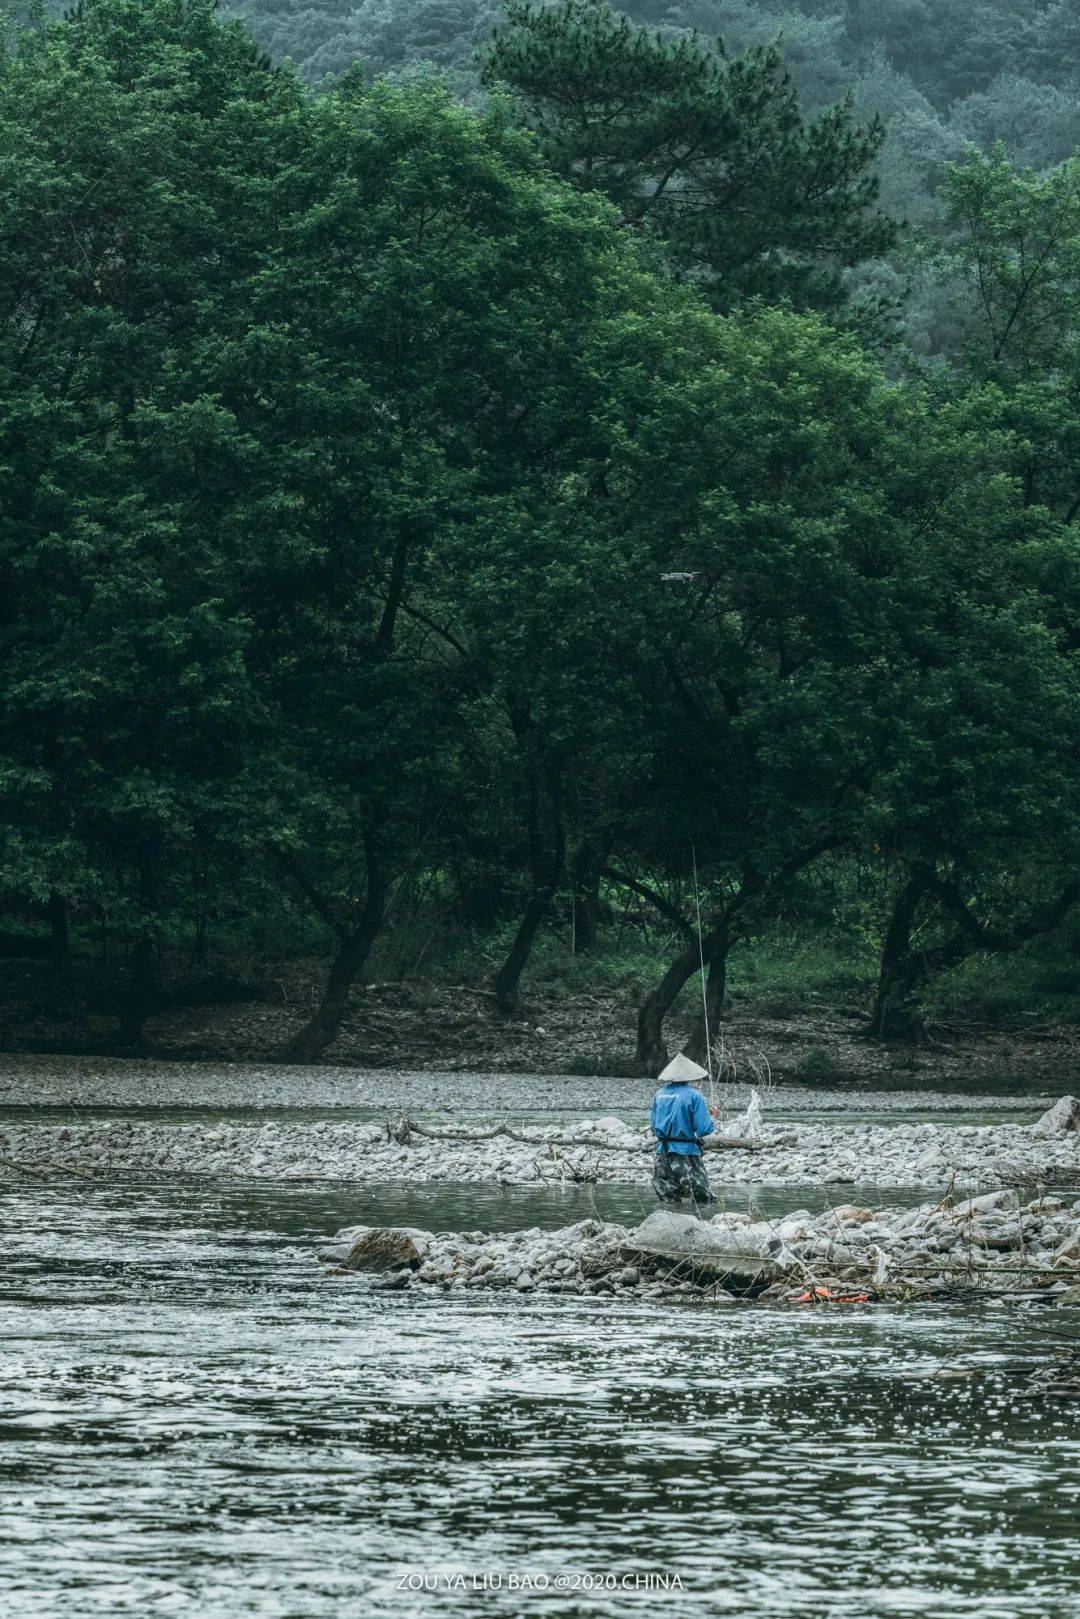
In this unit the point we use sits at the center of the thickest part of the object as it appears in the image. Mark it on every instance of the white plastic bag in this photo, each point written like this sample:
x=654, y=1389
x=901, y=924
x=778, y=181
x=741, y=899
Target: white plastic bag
x=748, y=1126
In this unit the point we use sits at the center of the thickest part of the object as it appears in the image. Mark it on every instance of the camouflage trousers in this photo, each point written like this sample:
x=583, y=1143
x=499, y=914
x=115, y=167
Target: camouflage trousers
x=677, y=1175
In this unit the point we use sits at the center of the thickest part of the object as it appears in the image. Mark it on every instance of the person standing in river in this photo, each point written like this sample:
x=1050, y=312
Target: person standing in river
x=680, y=1118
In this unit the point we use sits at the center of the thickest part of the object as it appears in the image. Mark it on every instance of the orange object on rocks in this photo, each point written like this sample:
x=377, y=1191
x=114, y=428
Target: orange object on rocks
x=825, y=1295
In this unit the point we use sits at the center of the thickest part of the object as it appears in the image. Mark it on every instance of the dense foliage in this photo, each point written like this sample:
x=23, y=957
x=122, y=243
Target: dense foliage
x=395, y=496
x=941, y=77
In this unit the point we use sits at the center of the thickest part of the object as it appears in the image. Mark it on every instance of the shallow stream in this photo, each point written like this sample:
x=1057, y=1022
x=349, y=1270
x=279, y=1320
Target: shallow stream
x=198, y=1420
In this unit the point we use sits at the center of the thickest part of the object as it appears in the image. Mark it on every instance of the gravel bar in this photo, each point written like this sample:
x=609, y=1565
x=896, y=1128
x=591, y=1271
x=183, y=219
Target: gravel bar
x=134, y=1083
x=990, y=1243
x=920, y=1154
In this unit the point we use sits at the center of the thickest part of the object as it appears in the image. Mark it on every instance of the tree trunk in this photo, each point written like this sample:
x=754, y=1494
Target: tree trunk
x=896, y=1008
x=754, y=888
x=354, y=947
x=902, y=975
x=509, y=974
x=323, y=1029
x=697, y=1046
x=652, y=1052
x=141, y=992
x=904, y=972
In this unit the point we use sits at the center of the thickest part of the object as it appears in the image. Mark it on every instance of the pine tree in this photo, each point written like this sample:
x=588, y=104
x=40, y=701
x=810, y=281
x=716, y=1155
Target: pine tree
x=710, y=150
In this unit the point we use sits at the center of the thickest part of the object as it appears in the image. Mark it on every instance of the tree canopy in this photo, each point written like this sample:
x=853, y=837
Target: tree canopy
x=397, y=492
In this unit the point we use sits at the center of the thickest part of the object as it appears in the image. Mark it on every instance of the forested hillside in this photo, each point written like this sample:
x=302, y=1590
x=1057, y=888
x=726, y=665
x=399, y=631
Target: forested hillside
x=941, y=74
x=443, y=520
x=978, y=68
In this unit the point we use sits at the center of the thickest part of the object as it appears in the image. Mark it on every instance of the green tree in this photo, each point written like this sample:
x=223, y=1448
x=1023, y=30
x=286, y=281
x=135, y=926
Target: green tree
x=1017, y=245
x=979, y=812
x=1038, y=124
x=710, y=151
x=134, y=142
x=419, y=385
x=841, y=555
x=1013, y=259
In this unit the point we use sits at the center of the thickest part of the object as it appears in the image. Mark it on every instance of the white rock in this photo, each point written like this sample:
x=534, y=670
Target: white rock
x=1061, y=1119
x=1005, y=1201
x=668, y=1232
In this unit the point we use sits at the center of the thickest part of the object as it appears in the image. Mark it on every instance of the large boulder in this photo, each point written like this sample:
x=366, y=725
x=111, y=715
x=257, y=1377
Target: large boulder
x=746, y=1236
x=738, y=1257
x=1060, y=1119
x=383, y=1248
x=1002, y=1236
x=671, y=1231
x=342, y=1243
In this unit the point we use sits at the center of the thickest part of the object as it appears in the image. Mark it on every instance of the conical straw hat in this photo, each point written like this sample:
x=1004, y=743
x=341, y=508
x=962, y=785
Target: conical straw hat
x=682, y=1068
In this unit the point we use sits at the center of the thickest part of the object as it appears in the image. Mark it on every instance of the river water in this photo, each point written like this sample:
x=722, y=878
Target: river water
x=198, y=1420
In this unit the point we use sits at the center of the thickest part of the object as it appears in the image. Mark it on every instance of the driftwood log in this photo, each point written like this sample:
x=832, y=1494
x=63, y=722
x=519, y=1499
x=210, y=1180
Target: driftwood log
x=401, y=1127
x=43, y=1167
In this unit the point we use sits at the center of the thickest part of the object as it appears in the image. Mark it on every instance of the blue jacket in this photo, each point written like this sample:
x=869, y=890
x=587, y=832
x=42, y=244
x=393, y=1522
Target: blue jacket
x=680, y=1114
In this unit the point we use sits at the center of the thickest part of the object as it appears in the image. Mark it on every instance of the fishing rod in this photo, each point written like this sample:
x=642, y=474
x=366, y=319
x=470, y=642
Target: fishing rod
x=704, y=990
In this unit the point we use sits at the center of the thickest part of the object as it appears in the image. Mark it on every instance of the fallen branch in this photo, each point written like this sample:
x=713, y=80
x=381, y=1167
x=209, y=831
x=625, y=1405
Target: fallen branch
x=22, y=1168
x=401, y=1127
x=42, y=1167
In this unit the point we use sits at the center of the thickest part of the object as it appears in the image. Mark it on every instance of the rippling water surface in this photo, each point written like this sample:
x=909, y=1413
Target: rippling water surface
x=197, y=1420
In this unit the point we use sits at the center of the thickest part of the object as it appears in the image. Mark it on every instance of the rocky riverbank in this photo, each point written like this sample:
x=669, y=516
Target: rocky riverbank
x=993, y=1244
x=604, y=1150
